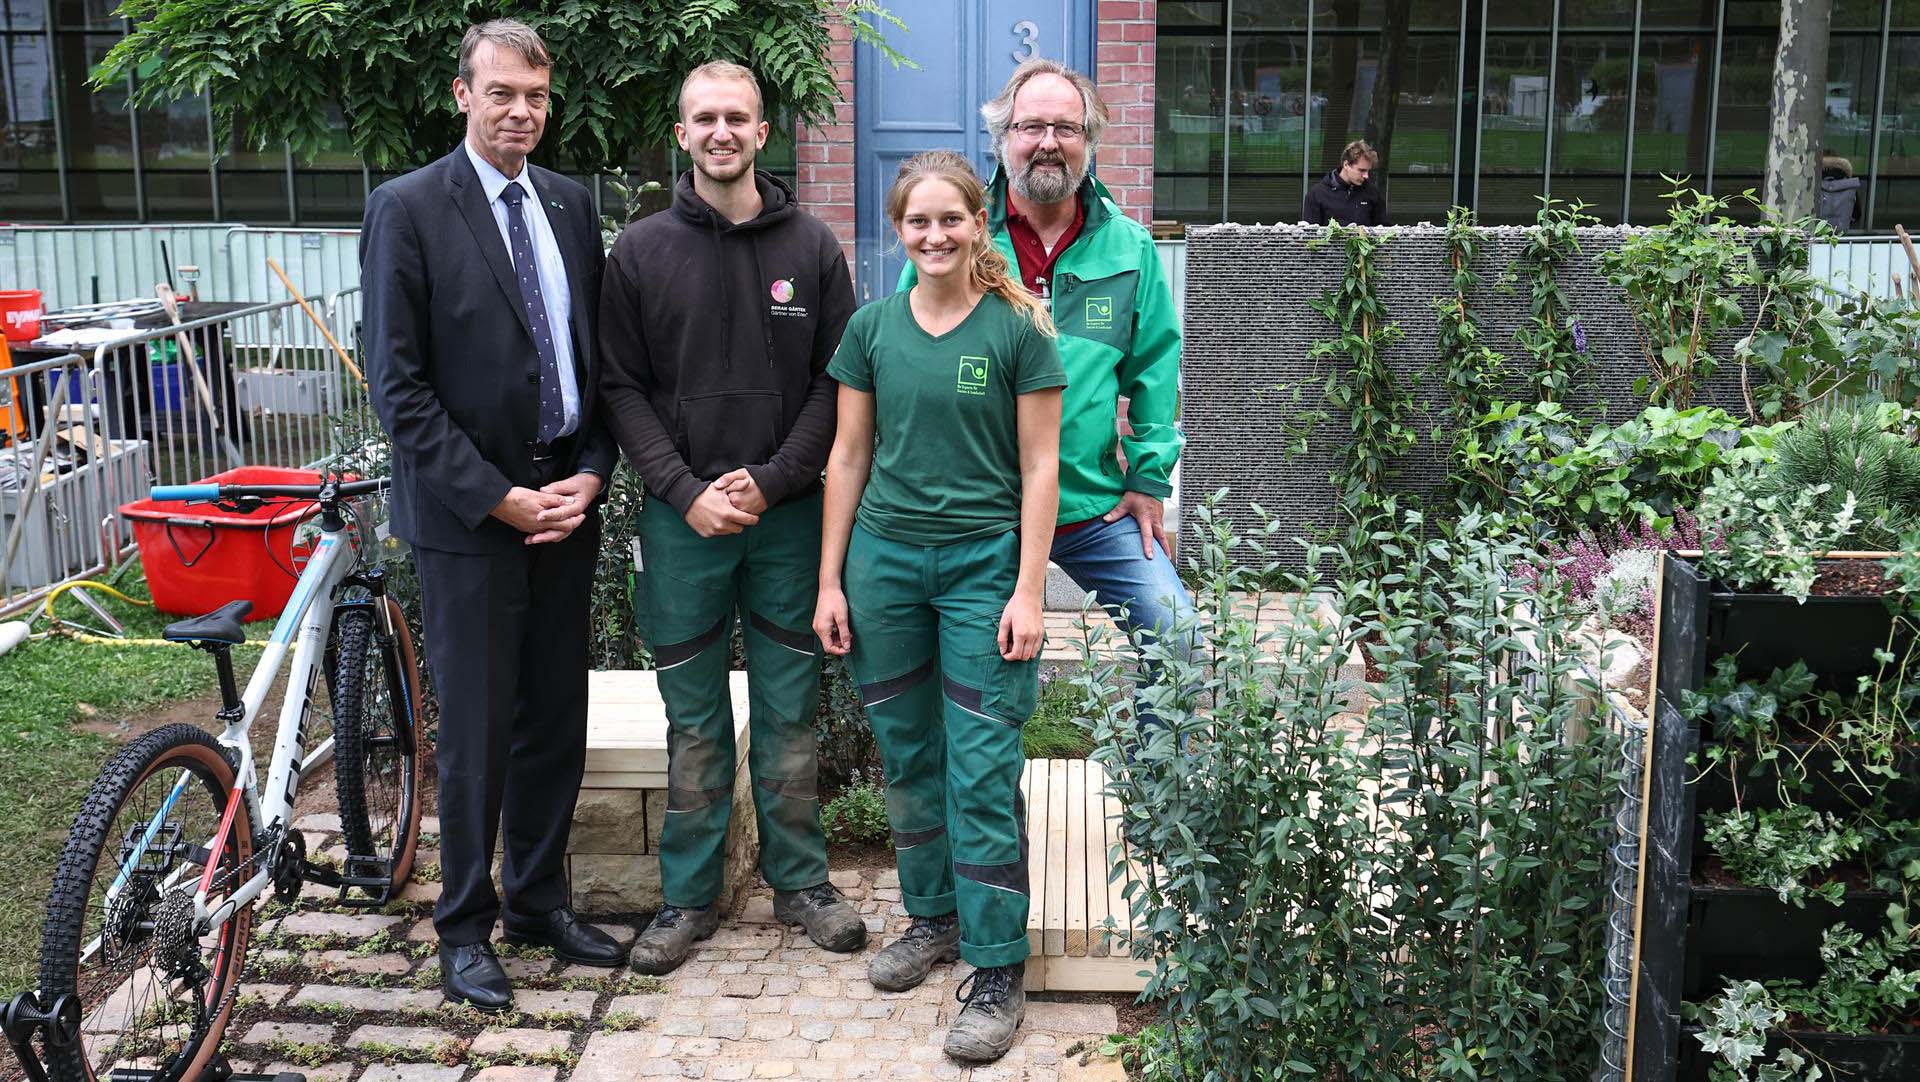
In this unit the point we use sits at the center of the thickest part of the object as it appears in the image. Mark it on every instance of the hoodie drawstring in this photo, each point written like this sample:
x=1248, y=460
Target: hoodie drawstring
x=726, y=291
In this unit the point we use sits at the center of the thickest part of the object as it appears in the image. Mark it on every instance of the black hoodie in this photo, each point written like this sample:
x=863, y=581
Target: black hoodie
x=715, y=338
x=1334, y=201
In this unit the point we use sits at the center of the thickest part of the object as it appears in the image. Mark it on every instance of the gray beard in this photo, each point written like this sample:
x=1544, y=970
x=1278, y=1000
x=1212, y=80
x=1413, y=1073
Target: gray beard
x=1047, y=187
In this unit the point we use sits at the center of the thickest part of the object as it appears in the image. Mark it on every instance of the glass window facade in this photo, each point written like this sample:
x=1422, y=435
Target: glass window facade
x=71, y=154
x=1496, y=105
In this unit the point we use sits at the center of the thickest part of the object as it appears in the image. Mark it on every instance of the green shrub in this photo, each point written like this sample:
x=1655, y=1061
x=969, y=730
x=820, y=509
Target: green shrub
x=1852, y=449
x=858, y=815
x=1416, y=892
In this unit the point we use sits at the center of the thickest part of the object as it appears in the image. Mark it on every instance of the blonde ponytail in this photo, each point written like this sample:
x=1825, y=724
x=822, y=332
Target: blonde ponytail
x=988, y=270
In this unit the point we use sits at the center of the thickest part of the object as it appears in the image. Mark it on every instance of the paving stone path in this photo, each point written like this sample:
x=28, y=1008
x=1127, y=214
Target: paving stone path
x=348, y=995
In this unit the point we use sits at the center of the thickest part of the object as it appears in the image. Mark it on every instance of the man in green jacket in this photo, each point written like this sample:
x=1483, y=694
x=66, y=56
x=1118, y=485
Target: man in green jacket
x=1119, y=337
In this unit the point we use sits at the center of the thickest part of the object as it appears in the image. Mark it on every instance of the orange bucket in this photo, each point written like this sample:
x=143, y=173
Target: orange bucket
x=20, y=314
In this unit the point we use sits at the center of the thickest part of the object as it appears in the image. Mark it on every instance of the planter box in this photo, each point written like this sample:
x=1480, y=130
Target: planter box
x=1701, y=622
x=1872, y=1058
x=1749, y=934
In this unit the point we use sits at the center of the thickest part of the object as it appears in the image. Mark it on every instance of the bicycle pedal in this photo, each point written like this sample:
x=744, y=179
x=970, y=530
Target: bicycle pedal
x=372, y=875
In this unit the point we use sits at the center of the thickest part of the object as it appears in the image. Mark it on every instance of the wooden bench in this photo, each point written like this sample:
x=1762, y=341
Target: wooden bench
x=1072, y=826
x=613, y=853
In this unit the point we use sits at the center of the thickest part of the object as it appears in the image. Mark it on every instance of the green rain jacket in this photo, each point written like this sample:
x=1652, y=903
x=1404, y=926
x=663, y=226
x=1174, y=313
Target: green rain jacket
x=1118, y=336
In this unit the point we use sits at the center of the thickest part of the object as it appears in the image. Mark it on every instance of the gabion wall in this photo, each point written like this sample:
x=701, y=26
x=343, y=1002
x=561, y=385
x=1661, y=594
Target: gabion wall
x=1249, y=328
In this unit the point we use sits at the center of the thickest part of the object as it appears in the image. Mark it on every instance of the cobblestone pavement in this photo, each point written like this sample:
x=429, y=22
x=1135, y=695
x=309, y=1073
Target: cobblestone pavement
x=352, y=995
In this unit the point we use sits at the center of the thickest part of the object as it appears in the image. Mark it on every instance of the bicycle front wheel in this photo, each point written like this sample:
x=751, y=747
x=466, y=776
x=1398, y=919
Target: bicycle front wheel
x=155, y=986
x=377, y=731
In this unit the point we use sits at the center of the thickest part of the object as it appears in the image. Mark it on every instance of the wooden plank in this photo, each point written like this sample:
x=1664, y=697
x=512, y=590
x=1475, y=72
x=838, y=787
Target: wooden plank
x=1075, y=915
x=1117, y=887
x=1100, y=835
x=1116, y=974
x=1033, y=789
x=1054, y=931
x=624, y=779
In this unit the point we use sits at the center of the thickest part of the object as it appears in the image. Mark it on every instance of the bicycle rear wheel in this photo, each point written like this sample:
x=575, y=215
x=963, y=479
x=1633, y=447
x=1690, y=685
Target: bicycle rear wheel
x=377, y=732
x=155, y=990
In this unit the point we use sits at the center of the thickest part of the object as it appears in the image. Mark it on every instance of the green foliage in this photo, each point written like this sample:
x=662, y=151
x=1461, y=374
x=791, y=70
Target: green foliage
x=1681, y=281
x=1881, y=349
x=388, y=66
x=1058, y=728
x=1758, y=536
x=847, y=747
x=1471, y=370
x=1779, y=848
x=1549, y=333
x=1852, y=451
x=617, y=643
x=1364, y=395
x=1412, y=893
x=1796, y=340
x=858, y=815
x=1646, y=468
x=1734, y=1027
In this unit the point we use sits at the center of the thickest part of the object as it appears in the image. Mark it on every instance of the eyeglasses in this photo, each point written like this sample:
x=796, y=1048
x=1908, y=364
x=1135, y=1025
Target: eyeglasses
x=1066, y=131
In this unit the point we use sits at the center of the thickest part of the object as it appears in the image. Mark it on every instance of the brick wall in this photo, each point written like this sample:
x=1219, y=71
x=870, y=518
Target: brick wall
x=1124, y=56
x=824, y=155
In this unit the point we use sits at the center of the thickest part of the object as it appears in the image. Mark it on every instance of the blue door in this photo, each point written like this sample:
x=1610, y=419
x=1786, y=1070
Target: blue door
x=965, y=51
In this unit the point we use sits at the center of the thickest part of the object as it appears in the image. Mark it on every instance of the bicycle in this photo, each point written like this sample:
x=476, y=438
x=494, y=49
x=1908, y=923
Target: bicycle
x=151, y=911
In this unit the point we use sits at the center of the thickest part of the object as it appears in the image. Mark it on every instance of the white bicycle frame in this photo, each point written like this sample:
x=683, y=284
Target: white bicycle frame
x=302, y=629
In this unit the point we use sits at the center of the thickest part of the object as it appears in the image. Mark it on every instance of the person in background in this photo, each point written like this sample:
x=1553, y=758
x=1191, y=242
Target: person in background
x=1839, y=200
x=1349, y=195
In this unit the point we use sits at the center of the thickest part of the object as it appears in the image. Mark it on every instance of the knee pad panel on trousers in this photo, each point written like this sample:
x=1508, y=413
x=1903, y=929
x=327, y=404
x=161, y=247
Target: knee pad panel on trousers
x=667, y=655
x=800, y=642
x=879, y=691
x=794, y=769
x=907, y=839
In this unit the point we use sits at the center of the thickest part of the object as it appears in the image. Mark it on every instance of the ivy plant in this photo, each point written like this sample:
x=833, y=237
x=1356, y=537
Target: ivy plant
x=1779, y=848
x=377, y=74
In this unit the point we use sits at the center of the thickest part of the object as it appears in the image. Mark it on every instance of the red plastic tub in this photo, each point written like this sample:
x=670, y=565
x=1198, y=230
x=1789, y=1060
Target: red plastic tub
x=20, y=314
x=199, y=557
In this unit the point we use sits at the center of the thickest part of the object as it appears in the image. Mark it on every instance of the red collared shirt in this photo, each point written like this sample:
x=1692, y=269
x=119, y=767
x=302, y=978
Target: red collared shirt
x=1036, y=263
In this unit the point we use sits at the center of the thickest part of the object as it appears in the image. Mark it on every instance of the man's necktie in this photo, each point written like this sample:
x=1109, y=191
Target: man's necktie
x=553, y=413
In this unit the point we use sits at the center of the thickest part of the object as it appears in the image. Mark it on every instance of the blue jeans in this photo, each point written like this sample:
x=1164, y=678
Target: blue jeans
x=1105, y=558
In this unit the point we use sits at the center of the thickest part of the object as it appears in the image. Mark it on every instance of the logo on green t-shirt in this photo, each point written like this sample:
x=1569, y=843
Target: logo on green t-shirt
x=1099, y=313
x=973, y=376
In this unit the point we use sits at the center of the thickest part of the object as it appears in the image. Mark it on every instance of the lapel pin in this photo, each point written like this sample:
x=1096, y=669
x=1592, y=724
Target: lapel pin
x=555, y=204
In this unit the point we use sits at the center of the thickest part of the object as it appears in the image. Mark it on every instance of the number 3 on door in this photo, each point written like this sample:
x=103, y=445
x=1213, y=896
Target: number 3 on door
x=1029, y=47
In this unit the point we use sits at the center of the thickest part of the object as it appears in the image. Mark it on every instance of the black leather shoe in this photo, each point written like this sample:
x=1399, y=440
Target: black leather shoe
x=572, y=939
x=470, y=974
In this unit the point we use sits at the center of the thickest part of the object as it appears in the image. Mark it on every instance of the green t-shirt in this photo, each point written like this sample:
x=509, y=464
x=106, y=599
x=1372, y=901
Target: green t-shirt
x=946, y=448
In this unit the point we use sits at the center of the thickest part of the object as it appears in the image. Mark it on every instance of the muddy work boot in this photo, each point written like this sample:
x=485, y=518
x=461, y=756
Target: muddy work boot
x=993, y=1002
x=674, y=931
x=906, y=961
x=830, y=921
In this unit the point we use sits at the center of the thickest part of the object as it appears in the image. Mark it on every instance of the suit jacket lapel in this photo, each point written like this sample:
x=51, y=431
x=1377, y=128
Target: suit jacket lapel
x=463, y=186
x=575, y=261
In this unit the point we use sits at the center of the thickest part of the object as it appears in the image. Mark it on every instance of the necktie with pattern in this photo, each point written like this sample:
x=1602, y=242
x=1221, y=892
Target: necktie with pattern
x=552, y=410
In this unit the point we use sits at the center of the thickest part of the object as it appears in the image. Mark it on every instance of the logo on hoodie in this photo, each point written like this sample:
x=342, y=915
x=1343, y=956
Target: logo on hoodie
x=783, y=293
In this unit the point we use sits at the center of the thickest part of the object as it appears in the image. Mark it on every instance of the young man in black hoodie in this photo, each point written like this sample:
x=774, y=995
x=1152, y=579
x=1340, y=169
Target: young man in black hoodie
x=718, y=318
x=1349, y=195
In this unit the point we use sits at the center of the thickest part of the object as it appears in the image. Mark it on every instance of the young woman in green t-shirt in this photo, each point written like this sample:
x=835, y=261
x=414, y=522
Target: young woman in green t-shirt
x=940, y=500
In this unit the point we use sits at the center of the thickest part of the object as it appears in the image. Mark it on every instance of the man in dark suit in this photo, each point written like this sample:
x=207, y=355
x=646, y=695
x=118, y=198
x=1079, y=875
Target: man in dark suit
x=482, y=278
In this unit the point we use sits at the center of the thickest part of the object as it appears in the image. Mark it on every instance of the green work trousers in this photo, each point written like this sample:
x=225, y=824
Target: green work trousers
x=693, y=586
x=947, y=712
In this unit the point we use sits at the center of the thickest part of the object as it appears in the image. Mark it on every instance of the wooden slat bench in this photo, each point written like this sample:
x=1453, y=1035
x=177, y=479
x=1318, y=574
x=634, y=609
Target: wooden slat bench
x=1071, y=827
x=613, y=853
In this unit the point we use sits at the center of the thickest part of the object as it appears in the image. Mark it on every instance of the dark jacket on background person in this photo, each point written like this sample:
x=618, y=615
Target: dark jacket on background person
x=1335, y=201
x=716, y=339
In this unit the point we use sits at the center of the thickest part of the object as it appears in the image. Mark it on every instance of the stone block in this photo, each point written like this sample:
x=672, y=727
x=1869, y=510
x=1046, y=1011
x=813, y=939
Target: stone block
x=291, y=1032
x=365, y=999
x=518, y=1074
x=415, y=1038
x=614, y=883
x=532, y=1042
x=356, y=925
x=612, y=1057
x=571, y=1004
x=1085, y=1019
x=612, y=821
x=412, y=1072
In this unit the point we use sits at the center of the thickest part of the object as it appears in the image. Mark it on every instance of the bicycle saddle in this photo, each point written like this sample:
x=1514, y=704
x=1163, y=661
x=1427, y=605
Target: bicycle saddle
x=220, y=625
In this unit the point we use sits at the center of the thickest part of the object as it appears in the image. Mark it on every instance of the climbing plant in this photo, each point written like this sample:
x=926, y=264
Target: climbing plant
x=1363, y=391
x=1552, y=335
x=1681, y=281
x=1471, y=370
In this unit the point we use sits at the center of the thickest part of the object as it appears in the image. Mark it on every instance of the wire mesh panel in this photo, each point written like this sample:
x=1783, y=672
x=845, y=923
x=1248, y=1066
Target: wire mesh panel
x=1248, y=381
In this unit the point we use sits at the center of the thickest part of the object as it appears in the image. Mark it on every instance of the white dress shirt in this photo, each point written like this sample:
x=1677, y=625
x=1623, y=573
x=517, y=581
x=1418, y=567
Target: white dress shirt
x=555, y=292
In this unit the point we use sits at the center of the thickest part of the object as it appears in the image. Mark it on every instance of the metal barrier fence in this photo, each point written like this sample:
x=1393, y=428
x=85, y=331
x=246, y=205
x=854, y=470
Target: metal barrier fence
x=259, y=387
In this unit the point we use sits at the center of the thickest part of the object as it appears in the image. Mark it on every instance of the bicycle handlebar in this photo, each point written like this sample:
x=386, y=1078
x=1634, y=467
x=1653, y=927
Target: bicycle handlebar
x=204, y=493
